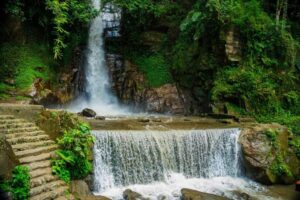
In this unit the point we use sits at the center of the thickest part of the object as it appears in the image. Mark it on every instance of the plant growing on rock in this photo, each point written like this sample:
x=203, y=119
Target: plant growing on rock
x=19, y=185
x=72, y=161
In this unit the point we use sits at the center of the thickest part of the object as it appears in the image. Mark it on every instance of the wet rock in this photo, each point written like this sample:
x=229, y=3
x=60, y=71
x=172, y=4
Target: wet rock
x=131, y=195
x=144, y=120
x=242, y=195
x=80, y=188
x=100, y=117
x=265, y=150
x=188, y=194
x=87, y=112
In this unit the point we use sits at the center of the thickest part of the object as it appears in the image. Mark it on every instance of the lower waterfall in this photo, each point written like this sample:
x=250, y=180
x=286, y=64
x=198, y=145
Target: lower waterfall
x=158, y=164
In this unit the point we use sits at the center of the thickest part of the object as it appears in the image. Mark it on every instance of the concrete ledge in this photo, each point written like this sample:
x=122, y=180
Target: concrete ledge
x=28, y=112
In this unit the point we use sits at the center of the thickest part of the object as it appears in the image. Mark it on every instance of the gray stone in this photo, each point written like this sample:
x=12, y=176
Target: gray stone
x=87, y=112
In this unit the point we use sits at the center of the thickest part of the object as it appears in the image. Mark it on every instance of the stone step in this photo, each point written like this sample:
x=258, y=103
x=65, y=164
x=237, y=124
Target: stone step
x=35, y=182
x=40, y=172
x=35, y=151
x=23, y=134
x=41, y=164
x=56, y=192
x=27, y=139
x=31, y=145
x=46, y=187
x=30, y=159
x=21, y=130
x=7, y=117
x=66, y=197
x=19, y=125
x=11, y=121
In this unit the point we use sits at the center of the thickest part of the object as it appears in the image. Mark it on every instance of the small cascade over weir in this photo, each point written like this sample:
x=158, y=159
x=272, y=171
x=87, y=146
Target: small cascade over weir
x=123, y=158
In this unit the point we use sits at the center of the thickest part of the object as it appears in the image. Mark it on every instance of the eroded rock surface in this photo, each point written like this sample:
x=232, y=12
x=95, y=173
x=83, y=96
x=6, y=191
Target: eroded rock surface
x=268, y=157
x=131, y=88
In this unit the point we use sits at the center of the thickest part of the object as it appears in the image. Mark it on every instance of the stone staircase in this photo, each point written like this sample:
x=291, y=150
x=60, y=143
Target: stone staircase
x=33, y=148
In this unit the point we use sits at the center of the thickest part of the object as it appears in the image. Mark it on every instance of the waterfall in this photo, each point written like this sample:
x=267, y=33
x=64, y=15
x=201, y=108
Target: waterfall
x=98, y=94
x=124, y=158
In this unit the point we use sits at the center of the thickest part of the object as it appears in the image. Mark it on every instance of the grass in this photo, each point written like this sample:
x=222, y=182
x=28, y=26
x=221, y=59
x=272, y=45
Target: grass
x=155, y=69
x=24, y=63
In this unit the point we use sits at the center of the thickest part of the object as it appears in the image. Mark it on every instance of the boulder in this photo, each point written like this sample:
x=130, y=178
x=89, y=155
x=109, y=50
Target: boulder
x=87, y=112
x=100, y=117
x=267, y=155
x=188, y=194
x=131, y=195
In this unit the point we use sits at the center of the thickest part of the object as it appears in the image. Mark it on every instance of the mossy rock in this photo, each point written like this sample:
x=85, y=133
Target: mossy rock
x=269, y=159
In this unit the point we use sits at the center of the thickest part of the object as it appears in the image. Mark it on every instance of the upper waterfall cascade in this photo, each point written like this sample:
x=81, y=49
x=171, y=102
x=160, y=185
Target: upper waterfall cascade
x=98, y=95
x=139, y=157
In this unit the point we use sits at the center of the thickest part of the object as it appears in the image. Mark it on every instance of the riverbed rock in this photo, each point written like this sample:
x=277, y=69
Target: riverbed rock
x=132, y=195
x=87, y=112
x=267, y=155
x=189, y=194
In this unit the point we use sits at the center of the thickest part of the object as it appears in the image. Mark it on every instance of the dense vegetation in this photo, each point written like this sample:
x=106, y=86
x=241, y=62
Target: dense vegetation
x=240, y=56
x=38, y=39
x=73, y=157
x=260, y=78
x=19, y=185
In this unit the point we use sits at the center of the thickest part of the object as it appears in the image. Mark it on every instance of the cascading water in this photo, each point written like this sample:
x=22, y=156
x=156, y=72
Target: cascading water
x=98, y=94
x=161, y=163
x=134, y=157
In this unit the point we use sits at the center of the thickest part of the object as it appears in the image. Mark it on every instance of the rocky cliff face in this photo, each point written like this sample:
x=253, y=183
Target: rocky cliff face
x=69, y=83
x=130, y=87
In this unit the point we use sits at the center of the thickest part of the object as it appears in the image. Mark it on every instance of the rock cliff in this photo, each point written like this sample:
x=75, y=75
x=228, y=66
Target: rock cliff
x=131, y=88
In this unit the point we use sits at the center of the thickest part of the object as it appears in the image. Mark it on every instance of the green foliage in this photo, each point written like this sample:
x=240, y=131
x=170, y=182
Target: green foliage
x=155, y=69
x=24, y=63
x=72, y=160
x=296, y=144
x=289, y=120
x=65, y=14
x=279, y=168
x=250, y=85
x=19, y=185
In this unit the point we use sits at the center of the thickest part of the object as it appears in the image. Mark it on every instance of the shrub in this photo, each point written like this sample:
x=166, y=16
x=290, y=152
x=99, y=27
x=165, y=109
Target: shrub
x=279, y=168
x=72, y=160
x=19, y=185
x=296, y=144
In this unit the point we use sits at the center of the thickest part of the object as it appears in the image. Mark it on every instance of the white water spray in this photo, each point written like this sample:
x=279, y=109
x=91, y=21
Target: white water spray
x=98, y=94
x=158, y=164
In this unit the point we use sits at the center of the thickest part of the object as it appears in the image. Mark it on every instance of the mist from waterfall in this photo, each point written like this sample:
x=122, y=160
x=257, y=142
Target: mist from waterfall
x=97, y=94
